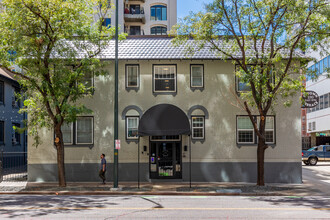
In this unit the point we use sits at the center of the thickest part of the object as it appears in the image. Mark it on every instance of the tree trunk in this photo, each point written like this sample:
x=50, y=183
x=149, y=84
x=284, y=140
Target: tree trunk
x=60, y=156
x=261, y=152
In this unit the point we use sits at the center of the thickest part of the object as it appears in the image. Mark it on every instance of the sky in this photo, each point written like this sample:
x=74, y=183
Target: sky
x=185, y=6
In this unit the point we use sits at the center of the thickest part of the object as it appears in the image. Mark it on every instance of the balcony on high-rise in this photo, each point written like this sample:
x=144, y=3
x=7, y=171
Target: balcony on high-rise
x=134, y=13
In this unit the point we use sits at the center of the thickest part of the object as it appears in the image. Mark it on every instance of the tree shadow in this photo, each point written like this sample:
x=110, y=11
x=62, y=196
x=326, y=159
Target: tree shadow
x=43, y=205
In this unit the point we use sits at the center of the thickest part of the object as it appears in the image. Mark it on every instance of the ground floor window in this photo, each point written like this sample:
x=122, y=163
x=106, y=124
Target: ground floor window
x=79, y=133
x=132, y=125
x=198, y=127
x=2, y=132
x=16, y=138
x=246, y=134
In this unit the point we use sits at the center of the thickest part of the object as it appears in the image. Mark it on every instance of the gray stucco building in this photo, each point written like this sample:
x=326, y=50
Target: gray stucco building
x=159, y=84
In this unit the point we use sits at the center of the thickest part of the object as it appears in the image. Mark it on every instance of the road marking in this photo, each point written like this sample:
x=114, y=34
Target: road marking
x=150, y=208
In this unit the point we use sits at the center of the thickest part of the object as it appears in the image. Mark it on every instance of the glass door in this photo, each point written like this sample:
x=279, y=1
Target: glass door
x=165, y=160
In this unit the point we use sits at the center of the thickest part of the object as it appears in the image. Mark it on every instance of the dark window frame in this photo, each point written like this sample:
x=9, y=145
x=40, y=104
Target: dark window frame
x=17, y=135
x=137, y=87
x=255, y=137
x=203, y=77
x=16, y=103
x=164, y=92
x=2, y=134
x=155, y=7
x=2, y=95
x=156, y=28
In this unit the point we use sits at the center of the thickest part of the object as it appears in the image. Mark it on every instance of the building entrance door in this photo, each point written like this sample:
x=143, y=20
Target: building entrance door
x=165, y=160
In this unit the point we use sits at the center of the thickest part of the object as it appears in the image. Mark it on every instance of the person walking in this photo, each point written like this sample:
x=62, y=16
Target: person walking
x=103, y=168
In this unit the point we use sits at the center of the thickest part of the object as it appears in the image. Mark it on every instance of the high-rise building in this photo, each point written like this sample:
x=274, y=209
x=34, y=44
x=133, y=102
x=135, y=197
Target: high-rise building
x=144, y=17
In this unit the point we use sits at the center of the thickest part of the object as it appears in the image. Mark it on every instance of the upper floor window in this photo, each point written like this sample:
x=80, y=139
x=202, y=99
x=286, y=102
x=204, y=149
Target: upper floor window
x=158, y=13
x=135, y=30
x=2, y=132
x=164, y=78
x=2, y=92
x=16, y=102
x=158, y=30
x=106, y=22
x=197, y=76
x=132, y=76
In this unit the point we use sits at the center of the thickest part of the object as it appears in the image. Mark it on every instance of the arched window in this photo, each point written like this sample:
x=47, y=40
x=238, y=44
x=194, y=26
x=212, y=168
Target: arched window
x=158, y=30
x=158, y=13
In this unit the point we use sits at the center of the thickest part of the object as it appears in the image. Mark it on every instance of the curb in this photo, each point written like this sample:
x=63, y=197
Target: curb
x=126, y=193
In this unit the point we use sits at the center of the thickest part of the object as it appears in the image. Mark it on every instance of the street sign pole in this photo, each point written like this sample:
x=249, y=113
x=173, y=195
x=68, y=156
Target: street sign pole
x=115, y=161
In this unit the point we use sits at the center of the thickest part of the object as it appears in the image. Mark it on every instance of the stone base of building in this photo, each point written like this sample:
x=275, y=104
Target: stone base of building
x=279, y=172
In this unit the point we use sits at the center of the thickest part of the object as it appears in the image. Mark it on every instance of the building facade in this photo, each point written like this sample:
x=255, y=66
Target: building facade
x=318, y=118
x=10, y=140
x=144, y=17
x=164, y=97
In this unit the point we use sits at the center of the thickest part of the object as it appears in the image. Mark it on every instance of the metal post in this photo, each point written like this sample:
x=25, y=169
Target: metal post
x=115, y=161
x=190, y=160
x=139, y=163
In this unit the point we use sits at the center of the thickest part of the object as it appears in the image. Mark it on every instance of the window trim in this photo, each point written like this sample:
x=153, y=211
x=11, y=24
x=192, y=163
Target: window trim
x=192, y=128
x=126, y=128
x=138, y=76
x=76, y=130
x=191, y=78
x=3, y=93
x=255, y=138
x=175, y=82
x=2, y=123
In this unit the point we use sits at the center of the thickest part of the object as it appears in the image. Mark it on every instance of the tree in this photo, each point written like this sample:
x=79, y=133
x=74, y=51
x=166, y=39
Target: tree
x=263, y=38
x=56, y=44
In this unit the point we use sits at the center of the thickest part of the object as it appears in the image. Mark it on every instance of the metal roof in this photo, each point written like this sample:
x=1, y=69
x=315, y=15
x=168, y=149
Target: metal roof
x=160, y=48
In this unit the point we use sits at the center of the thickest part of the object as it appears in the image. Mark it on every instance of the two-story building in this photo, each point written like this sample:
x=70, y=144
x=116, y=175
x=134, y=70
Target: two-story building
x=176, y=119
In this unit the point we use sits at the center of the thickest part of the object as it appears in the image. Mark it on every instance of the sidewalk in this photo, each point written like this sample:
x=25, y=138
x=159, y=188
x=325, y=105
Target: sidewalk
x=169, y=188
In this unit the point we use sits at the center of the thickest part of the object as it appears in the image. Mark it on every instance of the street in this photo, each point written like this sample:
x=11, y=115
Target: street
x=316, y=206
x=163, y=207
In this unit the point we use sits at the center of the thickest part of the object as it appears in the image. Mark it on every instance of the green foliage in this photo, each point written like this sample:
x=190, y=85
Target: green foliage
x=265, y=39
x=57, y=45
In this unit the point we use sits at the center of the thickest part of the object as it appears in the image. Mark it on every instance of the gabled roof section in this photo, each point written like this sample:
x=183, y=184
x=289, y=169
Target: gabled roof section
x=162, y=48
x=7, y=74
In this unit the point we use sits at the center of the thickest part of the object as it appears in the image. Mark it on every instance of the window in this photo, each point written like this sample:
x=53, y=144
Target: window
x=325, y=64
x=164, y=78
x=132, y=125
x=67, y=132
x=158, y=13
x=135, y=30
x=309, y=126
x=326, y=100
x=87, y=81
x=2, y=132
x=314, y=125
x=132, y=76
x=16, y=102
x=79, y=133
x=244, y=86
x=321, y=66
x=198, y=127
x=245, y=130
x=321, y=101
x=166, y=138
x=158, y=30
x=2, y=92
x=16, y=136
x=106, y=22
x=196, y=76
x=84, y=130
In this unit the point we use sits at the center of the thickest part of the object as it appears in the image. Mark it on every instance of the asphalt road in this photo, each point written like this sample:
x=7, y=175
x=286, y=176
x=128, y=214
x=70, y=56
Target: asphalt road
x=318, y=177
x=163, y=207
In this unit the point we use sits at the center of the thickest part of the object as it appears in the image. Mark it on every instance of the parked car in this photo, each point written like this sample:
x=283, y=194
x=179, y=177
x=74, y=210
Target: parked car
x=313, y=155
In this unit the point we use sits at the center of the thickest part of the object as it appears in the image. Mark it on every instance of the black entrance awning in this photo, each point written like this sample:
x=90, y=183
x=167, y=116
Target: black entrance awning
x=164, y=119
